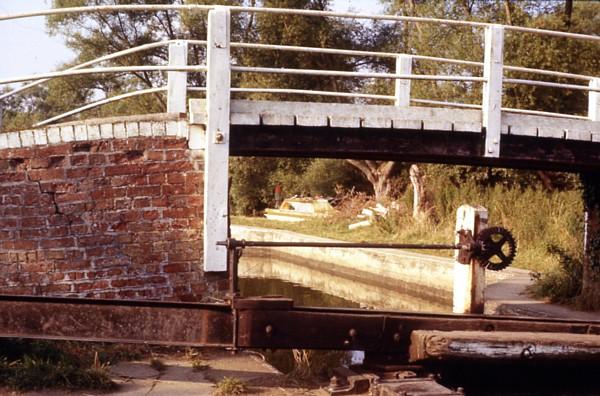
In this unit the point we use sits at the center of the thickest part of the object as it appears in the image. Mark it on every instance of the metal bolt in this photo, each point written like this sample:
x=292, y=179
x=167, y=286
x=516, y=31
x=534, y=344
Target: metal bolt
x=397, y=337
x=219, y=138
x=269, y=330
x=353, y=333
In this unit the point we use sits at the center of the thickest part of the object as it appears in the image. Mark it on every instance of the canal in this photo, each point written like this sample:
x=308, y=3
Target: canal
x=268, y=272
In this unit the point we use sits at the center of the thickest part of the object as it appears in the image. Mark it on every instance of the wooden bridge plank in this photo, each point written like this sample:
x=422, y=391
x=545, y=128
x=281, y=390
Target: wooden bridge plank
x=502, y=345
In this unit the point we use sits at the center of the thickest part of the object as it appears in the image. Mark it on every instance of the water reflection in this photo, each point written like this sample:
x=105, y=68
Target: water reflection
x=264, y=272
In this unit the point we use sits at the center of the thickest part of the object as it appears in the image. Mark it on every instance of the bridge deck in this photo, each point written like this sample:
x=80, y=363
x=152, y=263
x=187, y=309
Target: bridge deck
x=425, y=134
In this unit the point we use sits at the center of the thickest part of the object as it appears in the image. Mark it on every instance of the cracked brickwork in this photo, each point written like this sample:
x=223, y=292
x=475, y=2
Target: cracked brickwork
x=112, y=218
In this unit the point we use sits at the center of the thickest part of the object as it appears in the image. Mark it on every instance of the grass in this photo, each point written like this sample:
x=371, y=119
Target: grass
x=31, y=365
x=230, y=386
x=200, y=365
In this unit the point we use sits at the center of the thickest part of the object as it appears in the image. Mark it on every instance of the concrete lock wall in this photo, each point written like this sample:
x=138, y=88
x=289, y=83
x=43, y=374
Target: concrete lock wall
x=103, y=209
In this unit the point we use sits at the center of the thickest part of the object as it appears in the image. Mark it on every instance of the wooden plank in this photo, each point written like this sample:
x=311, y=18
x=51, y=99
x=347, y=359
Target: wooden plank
x=312, y=120
x=467, y=127
x=523, y=130
x=578, y=135
x=376, y=122
x=407, y=124
x=177, y=80
x=492, y=88
x=437, y=125
x=502, y=346
x=402, y=87
x=277, y=119
x=216, y=165
x=340, y=121
x=346, y=110
x=556, y=124
x=245, y=119
x=594, y=101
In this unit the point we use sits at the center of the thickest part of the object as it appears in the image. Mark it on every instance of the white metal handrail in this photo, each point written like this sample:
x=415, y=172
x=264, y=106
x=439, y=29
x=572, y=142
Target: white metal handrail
x=317, y=13
x=99, y=70
x=339, y=73
x=99, y=103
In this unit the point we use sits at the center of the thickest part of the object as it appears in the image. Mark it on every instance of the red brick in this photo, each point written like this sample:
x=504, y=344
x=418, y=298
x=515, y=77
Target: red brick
x=47, y=174
x=123, y=170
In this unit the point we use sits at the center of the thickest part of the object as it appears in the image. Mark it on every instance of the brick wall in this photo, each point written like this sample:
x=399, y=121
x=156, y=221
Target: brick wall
x=114, y=217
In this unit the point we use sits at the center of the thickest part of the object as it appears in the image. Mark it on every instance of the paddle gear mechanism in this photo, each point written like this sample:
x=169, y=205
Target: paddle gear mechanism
x=495, y=248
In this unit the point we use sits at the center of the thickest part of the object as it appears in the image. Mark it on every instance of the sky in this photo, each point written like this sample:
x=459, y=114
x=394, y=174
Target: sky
x=29, y=49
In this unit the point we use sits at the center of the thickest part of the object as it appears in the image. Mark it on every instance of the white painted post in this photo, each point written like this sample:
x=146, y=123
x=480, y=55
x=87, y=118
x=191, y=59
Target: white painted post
x=492, y=88
x=594, y=100
x=177, y=81
x=216, y=162
x=469, y=279
x=403, y=66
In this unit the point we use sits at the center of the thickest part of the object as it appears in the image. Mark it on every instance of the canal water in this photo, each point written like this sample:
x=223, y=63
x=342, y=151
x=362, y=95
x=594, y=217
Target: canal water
x=267, y=272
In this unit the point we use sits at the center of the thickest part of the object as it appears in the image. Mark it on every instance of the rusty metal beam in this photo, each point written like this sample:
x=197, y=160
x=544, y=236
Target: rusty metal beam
x=373, y=331
x=152, y=322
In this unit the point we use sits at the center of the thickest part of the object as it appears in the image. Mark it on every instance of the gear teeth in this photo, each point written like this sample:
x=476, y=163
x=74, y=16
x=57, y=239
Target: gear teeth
x=490, y=248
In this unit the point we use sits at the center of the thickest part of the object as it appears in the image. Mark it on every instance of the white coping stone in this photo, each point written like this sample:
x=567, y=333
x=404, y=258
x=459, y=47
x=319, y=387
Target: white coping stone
x=133, y=129
x=526, y=130
x=158, y=128
x=93, y=132
x=578, y=135
x=344, y=121
x=311, y=120
x=376, y=122
x=119, y=130
x=13, y=140
x=106, y=131
x=241, y=119
x=277, y=119
x=407, y=124
x=172, y=129
x=182, y=130
x=3, y=141
x=80, y=132
x=551, y=132
x=197, y=140
x=67, y=134
x=467, y=127
x=53, y=135
x=40, y=137
x=437, y=125
x=145, y=128
x=200, y=117
x=27, y=138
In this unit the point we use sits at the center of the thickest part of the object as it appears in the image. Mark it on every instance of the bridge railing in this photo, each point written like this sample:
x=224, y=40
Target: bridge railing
x=493, y=67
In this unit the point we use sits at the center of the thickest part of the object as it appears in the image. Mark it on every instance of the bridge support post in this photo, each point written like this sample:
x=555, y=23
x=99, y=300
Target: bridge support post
x=216, y=160
x=402, y=87
x=492, y=89
x=469, y=279
x=594, y=101
x=177, y=81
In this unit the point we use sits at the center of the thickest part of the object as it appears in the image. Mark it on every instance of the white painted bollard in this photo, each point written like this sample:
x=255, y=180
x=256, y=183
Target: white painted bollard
x=469, y=279
x=177, y=81
x=402, y=87
x=216, y=159
x=594, y=101
x=492, y=88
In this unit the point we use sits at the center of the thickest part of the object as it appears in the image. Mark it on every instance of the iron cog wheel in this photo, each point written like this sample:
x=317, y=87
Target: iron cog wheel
x=497, y=248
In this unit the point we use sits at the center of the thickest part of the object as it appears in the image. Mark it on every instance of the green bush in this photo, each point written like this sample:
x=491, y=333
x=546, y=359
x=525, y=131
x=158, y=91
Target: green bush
x=563, y=283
